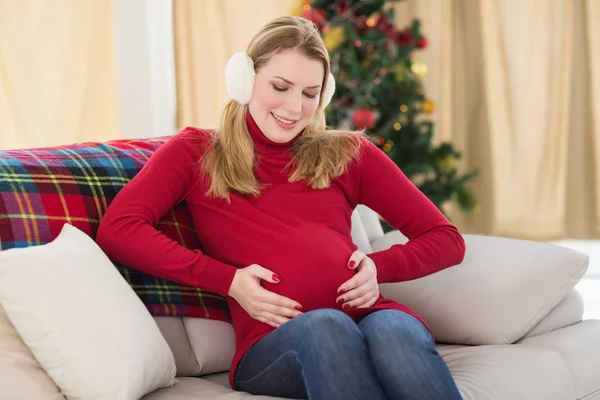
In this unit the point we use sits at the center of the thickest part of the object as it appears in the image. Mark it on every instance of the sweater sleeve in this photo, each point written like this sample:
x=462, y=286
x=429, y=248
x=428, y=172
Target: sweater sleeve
x=434, y=243
x=127, y=232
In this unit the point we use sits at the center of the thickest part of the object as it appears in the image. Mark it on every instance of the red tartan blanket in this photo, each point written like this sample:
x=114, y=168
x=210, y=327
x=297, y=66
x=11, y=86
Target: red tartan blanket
x=42, y=189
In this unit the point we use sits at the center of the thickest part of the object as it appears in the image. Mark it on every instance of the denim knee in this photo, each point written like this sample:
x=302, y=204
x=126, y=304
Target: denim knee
x=328, y=328
x=398, y=326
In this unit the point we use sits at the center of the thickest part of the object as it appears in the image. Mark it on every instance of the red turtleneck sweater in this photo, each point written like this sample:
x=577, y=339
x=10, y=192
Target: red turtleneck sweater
x=299, y=233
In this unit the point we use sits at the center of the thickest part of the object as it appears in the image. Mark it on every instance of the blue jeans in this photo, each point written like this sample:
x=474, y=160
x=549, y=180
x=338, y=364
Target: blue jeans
x=325, y=355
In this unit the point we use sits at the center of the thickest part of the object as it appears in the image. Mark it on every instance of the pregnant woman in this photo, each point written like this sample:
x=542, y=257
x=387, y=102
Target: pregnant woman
x=271, y=193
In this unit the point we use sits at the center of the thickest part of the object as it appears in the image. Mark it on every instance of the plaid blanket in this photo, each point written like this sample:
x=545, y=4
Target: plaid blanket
x=42, y=189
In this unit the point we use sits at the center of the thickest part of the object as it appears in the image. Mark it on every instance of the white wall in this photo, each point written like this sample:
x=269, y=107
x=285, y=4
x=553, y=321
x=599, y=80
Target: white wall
x=145, y=67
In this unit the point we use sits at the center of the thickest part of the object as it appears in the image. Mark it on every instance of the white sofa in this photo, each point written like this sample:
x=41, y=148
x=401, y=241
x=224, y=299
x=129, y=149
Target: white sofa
x=509, y=313
x=507, y=321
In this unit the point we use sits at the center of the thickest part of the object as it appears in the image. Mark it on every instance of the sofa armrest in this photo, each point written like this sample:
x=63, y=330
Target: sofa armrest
x=502, y=289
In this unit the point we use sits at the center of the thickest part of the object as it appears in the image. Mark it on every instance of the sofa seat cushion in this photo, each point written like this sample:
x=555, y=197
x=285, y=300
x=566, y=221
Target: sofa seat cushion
x=202, y=389
x=559, y=365
x=578, y=346
x=499, y=372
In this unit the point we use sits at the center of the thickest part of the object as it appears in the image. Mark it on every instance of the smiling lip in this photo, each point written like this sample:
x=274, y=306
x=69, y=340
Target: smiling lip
x=284, y=122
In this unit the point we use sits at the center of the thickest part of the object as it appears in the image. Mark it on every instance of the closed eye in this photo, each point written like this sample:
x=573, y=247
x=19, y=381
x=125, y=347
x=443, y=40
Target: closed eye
x=280, y=89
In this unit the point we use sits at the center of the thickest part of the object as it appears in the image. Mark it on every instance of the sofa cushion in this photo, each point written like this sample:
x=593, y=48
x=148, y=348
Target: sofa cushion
x=213, y=343
x=568, y=312
x=21, y=377
x=504, y=372
x=560, y=365
x=579, y=348
x=202, y=389
x=81, y=320
x=41, y=189
x=175, y=334
x=501, y=290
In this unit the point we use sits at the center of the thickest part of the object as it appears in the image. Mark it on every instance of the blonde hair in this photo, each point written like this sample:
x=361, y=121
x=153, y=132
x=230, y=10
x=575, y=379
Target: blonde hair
x=319, y=155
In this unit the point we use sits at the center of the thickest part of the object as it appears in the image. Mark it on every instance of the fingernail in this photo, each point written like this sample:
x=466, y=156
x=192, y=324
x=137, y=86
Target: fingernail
x=346, y=306
x=299, y=308
x=351, y=264
x=340, y=301
x=341, y=291
x=276, y=278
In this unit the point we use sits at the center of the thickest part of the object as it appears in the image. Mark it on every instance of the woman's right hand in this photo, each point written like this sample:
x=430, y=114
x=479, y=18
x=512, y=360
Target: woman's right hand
x=262, y=304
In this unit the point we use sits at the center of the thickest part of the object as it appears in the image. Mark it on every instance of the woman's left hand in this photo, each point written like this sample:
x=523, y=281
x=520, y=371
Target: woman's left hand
x=362, y=290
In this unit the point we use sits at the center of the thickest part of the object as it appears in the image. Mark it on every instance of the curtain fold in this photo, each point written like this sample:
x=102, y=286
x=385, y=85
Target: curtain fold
x=57, y=72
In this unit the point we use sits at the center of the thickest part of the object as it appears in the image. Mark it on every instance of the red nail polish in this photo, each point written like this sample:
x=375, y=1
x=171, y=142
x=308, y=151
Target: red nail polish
x=340, y=301
x=276, y=278
x=299, y=308
x=351, y=264
x=345, y=306
x=341, y=291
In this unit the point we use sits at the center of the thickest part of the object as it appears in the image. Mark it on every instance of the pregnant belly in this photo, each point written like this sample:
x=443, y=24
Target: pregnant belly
x=311, y=268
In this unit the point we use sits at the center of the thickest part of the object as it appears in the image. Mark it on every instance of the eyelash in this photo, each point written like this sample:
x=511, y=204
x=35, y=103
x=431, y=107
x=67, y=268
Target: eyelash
x=310, y=96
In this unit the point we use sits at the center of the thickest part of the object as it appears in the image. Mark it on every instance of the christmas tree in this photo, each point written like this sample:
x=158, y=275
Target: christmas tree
x=379, y=88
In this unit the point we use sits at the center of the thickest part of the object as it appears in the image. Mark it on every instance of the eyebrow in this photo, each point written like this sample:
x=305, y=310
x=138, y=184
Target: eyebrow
x=292, y=83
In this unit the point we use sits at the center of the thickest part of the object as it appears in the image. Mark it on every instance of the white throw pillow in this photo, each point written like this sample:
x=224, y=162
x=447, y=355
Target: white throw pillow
x=86, y=327
x=501, y=290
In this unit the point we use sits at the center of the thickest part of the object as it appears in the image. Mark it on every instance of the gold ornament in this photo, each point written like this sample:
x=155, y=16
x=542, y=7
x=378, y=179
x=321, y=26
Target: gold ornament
x=367, y=63
x=372, y=20
x=397, y=126
x=399, y=71
x=428, y=106
x=419, y=68
x=298, y=7
x=333, y=38
x=447, y=164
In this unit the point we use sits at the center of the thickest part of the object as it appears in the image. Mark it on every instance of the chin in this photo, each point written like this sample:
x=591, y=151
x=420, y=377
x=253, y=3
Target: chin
x=280, y=135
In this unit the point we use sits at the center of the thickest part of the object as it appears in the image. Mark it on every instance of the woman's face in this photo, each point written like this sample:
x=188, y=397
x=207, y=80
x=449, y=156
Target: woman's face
x=286, y=94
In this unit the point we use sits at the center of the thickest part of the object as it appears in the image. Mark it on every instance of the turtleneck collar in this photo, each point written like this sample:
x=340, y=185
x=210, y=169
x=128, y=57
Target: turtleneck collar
x=262, y=143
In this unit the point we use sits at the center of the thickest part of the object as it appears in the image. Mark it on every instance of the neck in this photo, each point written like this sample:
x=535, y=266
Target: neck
x=262, y=143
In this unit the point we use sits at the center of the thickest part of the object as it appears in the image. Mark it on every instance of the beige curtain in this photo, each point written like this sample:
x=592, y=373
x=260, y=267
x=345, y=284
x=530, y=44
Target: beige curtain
x=588, y=66
x=57, y=72
x=516, y=85
x=207, y=33
x=517, y=89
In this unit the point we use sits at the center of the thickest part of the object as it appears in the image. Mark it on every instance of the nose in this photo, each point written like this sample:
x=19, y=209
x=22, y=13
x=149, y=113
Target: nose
x=294, y=104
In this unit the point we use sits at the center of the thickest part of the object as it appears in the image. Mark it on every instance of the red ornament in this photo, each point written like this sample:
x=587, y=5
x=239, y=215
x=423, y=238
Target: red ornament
x=422, y=43
x=361, y=24
x=404, y=38
x=316, y=16
x=383, y=25
x=343, y=7
x=363, y=118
